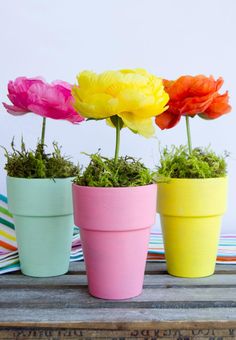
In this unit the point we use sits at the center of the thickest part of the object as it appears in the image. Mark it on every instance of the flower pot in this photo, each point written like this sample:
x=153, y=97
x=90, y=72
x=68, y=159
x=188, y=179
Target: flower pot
x=43, y=215
x=115, y=227
x=191, y=212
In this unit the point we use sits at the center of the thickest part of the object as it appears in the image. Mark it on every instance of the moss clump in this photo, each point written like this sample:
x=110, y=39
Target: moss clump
x=176, y=162
x=104, y=172
x=38, y=164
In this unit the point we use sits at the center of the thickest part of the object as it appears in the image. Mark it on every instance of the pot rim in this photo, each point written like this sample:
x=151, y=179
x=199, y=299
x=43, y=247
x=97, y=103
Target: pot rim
x=193, y=179
x=113, y=188
x=40, y=179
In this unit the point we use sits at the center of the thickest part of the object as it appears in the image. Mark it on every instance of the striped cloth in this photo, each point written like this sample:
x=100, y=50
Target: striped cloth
x=7, y=232
x=9, y=260
x=226, y=249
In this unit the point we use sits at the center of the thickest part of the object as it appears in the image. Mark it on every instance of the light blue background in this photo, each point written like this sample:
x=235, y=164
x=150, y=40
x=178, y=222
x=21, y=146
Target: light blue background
x=58, y=38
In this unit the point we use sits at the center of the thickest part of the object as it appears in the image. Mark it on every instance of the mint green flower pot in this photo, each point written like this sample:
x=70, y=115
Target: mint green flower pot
x=43, y=216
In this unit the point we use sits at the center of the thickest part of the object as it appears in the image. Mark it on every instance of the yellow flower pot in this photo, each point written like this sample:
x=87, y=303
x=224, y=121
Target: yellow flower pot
x=191, y=212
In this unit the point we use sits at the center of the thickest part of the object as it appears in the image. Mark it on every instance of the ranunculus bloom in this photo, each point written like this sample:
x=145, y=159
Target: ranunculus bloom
x=19, y=95
x=193, y=96
x=134, y=95
x=47, y=100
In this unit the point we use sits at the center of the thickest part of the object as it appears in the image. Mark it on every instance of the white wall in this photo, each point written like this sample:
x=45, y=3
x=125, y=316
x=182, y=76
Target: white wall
x=59, y=38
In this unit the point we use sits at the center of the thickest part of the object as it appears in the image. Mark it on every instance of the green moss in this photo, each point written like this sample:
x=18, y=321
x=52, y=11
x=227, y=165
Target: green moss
x=202, y=163
x=37, y=164
x=104, y=172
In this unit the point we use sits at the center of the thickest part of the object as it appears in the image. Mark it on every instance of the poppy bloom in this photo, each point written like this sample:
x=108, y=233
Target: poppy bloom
x=190, y=96
x=47, y=100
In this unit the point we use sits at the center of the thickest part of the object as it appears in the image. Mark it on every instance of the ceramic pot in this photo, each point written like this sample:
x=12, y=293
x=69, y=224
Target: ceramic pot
x=115, y=227
x=191, y=211
x=43, y=216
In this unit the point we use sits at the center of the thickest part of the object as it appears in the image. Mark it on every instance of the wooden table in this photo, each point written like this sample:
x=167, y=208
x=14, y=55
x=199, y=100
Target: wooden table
x=169, y=308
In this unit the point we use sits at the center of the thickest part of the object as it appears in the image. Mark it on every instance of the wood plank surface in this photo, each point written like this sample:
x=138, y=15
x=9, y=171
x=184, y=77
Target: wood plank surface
x=151, y=267
x=169, y=307
x=161, y=281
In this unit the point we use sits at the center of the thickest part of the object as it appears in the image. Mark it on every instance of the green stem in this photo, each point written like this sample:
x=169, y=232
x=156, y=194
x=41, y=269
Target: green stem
x=43, y=132
x=118, y=128
x=188, y=134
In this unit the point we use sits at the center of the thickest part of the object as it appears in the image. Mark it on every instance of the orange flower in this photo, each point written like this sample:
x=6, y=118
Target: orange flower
x=193, y=96
x=218, y=107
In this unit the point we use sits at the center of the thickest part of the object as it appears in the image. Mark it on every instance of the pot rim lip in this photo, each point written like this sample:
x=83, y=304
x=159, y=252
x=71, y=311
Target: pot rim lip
x=113, y=188
x=40, y=179
x=194, y=179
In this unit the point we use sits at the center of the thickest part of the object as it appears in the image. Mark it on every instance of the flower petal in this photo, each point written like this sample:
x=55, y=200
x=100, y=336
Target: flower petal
x=218, y=107
x=14, y=110
x=144, y=127
x=167, y=120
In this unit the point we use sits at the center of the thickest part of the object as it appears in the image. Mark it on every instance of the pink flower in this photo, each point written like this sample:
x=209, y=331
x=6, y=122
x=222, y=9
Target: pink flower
x=47, y=100
x=18, y=93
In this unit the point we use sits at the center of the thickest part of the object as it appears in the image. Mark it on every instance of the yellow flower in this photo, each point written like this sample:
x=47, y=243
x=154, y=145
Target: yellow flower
x=134, y=95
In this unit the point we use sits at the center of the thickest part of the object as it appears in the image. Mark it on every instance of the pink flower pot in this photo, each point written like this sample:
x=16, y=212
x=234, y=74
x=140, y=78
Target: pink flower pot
x=115, y=226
